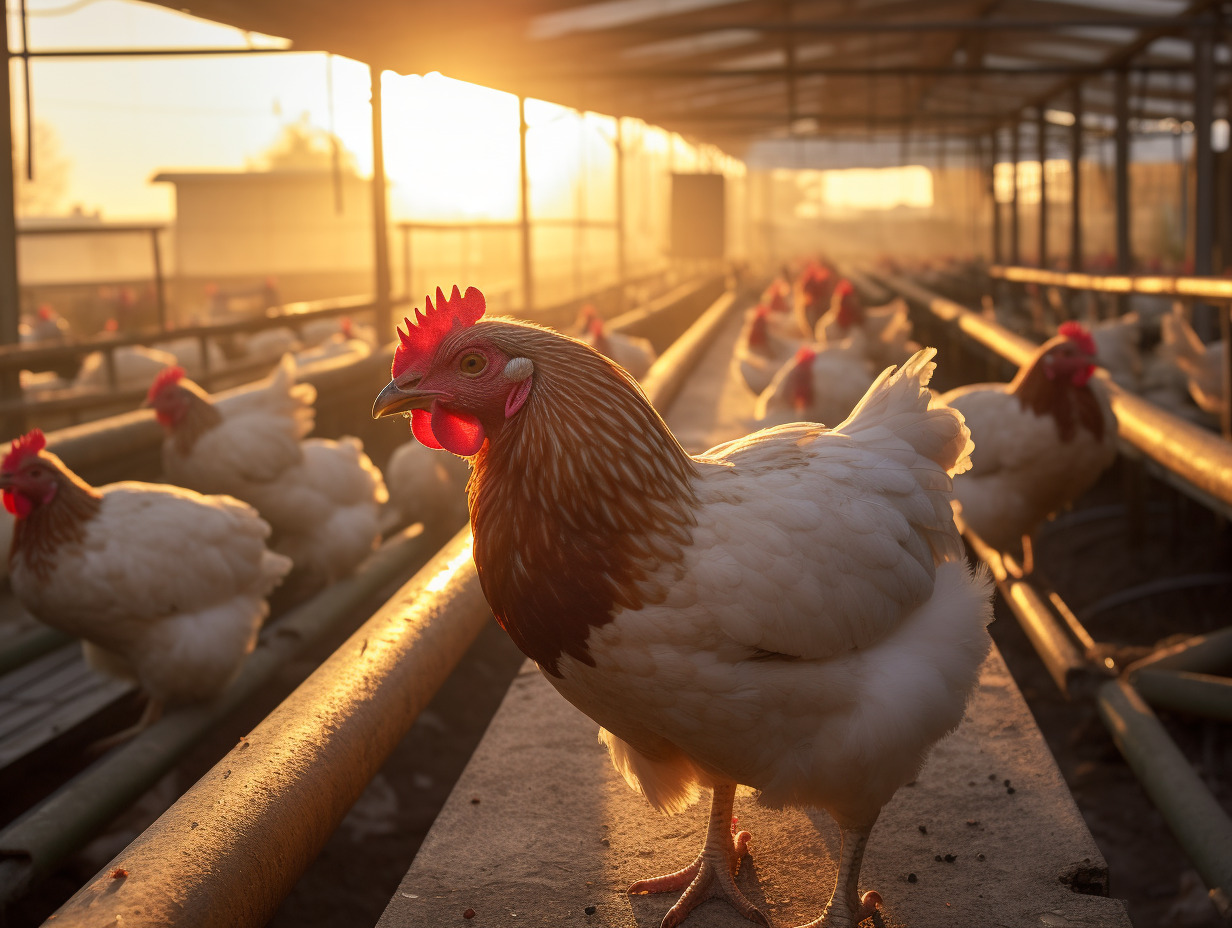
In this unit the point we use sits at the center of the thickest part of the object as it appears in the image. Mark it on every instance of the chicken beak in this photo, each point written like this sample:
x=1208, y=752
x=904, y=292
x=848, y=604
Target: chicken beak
x=395, y=399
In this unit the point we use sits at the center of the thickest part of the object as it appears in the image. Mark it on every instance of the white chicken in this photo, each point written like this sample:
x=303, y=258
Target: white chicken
x=425, y=486
x=322, y=498
x=821, y=384
x=634, y=353
x=1202, y=364
x=165, y=586
x=760, y=353
x=887, y=329
x=1041, y=441
x=135, y=366
x=792, y=610
x=187, y=353
x=270, y=344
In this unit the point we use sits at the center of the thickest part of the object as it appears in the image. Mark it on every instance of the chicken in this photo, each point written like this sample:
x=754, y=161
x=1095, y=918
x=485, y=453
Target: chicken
x=134, y=366
x=337, y=346
x=1118, y=347
x=791, y=610
x=322, y=498
x=818, y=385
x=887, y=328
x=781, y=318
x=187, y=353
x=425, y=486
x=1041, y=441
x=47, y=328
x=633, y=353
x=1202, y=364
x=813, y=295
x=270, y=344
x=760, y=353
x=166, y=587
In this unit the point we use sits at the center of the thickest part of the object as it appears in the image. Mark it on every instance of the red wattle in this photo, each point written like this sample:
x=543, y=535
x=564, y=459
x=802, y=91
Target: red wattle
x=458, y=432
x=421, y=428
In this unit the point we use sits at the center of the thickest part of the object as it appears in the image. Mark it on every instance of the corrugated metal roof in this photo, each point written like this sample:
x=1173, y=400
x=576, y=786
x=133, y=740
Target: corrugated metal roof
x=735, y=72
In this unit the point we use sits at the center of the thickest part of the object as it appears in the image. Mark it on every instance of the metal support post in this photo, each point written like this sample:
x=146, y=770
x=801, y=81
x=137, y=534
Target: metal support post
x=1124, y=258
x=528, y=276
x=1015, y=153
x=1075, y=175
x=621, y=267
x=1041, y=129
x=380, y=222
x=10, y=294
x=997, y=257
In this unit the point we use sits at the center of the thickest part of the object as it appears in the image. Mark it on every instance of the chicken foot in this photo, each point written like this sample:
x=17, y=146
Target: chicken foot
x=712, y=874
x=847, y=908
x=152, y=712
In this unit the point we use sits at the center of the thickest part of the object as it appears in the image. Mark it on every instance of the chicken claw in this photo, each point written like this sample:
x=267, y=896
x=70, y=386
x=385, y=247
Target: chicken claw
x=712, y=874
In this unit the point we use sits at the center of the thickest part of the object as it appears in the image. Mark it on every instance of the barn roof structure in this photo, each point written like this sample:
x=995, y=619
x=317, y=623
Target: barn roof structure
x=734, y=71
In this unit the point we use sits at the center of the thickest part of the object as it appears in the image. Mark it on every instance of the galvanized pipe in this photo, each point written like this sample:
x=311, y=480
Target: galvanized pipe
x=1197, y=819
x=233, y=846
x=1210, y=653
x=1203, y=288
x=1065, y=663
x=1202, y=694
x=46, y=834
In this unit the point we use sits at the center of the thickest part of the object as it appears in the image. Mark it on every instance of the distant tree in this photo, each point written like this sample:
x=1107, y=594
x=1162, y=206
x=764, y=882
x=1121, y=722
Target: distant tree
x=302, y=145
x=43, y=196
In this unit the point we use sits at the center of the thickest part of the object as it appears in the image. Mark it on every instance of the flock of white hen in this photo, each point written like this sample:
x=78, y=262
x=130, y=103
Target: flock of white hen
x=168, y=584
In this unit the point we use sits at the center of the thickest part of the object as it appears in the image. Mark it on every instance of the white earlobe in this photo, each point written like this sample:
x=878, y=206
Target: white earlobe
x=518, y=369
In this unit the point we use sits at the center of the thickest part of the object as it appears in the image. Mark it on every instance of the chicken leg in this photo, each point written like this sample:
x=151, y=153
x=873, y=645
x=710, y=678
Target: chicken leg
x=713, y=873
x=847, y=908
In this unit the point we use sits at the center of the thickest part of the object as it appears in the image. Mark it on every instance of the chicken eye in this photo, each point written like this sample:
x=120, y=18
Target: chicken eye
x=473, y=363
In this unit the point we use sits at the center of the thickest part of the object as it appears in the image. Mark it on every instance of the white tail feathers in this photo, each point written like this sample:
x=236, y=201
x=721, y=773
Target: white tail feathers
x=899, y=401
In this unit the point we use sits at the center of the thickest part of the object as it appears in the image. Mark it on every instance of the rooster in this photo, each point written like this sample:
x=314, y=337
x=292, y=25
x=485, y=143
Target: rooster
x=1042, y=440
x=166, y=587
x=887, y=329
x=821, y=384
x=322, y=498
x=791, y=610
x=760, y=353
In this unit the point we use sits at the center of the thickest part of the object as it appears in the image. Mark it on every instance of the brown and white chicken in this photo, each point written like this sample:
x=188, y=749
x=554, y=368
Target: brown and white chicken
x=165, y=586
x=791, y=610
x=1041, y=441
x=322, y=498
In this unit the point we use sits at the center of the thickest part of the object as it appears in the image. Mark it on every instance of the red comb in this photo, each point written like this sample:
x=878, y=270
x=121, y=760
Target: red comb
x=166, y=377
x=844, y=286
x=805, y=355
x=1077, y=333
x=421, y=337
x=28, y=445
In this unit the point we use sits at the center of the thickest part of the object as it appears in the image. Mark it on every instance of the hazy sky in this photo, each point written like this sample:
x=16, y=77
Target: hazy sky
x=120, y=121
x=451, y=148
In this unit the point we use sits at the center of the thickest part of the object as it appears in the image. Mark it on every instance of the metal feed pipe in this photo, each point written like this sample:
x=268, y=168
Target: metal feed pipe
x=233, y=846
